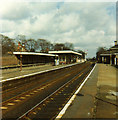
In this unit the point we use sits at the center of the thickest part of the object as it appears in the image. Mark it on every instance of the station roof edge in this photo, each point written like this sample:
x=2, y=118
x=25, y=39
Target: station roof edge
x=33, y=53
x=64, y=51
x=105, y=54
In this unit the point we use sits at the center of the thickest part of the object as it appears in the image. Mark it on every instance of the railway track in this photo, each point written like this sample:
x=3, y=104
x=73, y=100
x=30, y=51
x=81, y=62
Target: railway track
x=30, y=82
x=47, y=99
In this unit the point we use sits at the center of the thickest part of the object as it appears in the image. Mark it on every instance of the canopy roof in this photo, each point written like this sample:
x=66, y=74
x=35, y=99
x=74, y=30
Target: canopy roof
x=65, y=51
x=33, y=53
x=114, y=47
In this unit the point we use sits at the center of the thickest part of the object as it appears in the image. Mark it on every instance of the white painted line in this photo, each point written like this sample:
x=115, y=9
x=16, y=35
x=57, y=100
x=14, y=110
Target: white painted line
x=36, y=73
x=62, y=112
x=85, y=80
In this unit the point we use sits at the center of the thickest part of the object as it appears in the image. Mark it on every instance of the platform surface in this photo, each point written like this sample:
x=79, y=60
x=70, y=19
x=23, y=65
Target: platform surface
x=15, y=72
x=97, y=98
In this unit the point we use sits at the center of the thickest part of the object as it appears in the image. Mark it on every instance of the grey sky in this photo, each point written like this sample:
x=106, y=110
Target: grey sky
x=88, y=25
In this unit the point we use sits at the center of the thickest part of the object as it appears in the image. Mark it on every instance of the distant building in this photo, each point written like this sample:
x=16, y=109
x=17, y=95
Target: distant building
x=68, y=56
x=110, y=56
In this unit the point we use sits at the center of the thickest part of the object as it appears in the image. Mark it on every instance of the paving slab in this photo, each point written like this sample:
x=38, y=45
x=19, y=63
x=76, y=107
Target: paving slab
x=106, y=106
x=97, y=98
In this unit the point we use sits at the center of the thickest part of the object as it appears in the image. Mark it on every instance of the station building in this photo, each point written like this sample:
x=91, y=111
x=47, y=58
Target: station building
x=68, y=56
x=33, y=58
x=53, y=57
x=110, y=56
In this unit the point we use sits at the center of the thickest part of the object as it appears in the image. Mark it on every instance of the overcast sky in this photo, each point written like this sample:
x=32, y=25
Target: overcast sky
x=88, y=25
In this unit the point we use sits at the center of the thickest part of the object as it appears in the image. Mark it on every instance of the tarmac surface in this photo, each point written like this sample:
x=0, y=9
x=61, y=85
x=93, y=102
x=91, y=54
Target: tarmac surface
x=98, y=97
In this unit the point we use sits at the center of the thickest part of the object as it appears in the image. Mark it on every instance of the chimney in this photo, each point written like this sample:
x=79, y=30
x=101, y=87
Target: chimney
x=115, y=42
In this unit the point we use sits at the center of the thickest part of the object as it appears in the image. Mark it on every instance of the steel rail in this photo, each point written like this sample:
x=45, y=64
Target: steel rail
x=73, y=79
x=21, y=94
x=28, y=91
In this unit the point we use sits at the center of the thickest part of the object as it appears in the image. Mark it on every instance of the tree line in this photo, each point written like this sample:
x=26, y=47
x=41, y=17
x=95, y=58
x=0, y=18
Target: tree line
x=10, y=45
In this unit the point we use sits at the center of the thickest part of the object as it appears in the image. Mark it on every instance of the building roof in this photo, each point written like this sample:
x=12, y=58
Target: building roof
x=114, y=47
x=107, y=54
x=33, y=53
x=65, y=51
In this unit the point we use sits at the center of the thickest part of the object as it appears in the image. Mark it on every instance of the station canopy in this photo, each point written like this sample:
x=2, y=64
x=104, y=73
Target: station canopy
x=65, y=52
x=33, y=53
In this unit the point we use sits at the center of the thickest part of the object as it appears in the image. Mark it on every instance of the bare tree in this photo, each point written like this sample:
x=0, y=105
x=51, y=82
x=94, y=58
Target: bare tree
x=44, y=45
x=31, y=45
x=99, y=51
x=59, y=46
x=8, y=44
x=69, y=46
x=21, y=42
x=63, y=46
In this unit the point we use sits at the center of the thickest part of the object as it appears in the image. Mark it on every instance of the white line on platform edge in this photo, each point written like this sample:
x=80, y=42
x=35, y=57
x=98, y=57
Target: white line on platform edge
x=62, y=112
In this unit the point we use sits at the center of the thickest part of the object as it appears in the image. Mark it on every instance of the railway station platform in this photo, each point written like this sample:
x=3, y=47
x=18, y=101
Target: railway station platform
x=15, y=72
x=98, y=97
